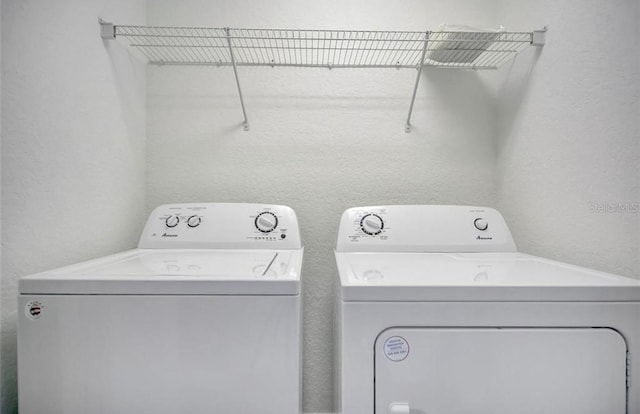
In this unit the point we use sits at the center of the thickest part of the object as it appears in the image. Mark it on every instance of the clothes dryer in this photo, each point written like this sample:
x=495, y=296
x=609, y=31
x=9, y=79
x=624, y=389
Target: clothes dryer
x=203, y=317
x=440, y=314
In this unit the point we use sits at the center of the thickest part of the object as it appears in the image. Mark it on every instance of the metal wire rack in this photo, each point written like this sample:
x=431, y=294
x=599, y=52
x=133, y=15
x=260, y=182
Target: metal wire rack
x=475, y=50
x=323, y=48
x=258, y=47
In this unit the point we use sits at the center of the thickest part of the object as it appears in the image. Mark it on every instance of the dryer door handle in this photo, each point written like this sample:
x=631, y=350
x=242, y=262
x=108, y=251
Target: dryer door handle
x=399, y=408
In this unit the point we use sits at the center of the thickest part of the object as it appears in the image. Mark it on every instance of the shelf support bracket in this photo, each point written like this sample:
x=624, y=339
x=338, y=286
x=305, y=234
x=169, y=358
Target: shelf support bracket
x=235, y=72
x=407, y=125
x=107, y=30
x=538, y=37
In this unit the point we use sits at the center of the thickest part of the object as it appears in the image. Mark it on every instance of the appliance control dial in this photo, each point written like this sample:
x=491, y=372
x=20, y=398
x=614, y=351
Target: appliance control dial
x=194, y=221
x=481, y=224
x=172, y=220
x=266, y=222
x=371, y=224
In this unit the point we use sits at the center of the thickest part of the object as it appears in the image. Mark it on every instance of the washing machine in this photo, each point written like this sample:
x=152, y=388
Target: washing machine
x=440, y=314
x=202, y=317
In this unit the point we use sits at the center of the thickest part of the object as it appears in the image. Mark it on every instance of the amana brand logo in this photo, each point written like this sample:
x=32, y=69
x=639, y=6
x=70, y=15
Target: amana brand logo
x=484, y=238
x=34, y=309
x=169, y=235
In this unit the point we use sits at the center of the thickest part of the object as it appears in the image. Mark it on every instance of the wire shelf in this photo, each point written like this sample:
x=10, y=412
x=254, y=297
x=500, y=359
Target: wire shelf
x=276, y=47
x=322, y=48
x=475, y=50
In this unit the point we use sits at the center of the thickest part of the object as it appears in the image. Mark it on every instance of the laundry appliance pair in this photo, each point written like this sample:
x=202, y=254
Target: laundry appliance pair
x=437, y=313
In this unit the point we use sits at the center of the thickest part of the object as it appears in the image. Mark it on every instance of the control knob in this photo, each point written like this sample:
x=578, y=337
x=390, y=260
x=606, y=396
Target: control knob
x=371, y=224
x=172, y=221
x=194, y=221
x=481, y=224
x=266, y=222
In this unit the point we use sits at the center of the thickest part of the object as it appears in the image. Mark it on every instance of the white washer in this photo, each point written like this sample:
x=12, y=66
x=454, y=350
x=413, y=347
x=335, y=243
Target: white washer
x=439, y=314
x=203, y=317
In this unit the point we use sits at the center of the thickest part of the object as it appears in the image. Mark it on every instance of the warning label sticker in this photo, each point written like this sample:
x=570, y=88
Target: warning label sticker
x=396, y=348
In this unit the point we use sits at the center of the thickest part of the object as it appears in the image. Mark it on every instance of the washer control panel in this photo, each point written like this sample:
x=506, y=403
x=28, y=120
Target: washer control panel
x=424, y=228
x=222, y=225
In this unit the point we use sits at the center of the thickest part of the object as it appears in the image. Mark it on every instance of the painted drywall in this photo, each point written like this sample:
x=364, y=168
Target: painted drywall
x=541, y=139
x=73, y=160
x=569, y=129
x=320, y=141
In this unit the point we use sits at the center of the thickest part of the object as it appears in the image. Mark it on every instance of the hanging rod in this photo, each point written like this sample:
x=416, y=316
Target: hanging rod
x=323, y=48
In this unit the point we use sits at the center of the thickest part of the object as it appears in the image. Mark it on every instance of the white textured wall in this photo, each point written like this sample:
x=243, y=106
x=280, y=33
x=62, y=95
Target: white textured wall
x=73, y=156
x=320, y=140
x=570, y=134
x=540, y=139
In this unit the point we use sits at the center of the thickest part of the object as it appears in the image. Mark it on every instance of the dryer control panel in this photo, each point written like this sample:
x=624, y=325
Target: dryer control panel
x=424, y=228
x=220, y=226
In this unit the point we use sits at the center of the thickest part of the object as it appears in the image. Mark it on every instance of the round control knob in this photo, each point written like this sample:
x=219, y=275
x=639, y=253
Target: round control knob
x=266, y=222
x=194, y=221
x=371, y=224
x=172, y=221
x=481, y=224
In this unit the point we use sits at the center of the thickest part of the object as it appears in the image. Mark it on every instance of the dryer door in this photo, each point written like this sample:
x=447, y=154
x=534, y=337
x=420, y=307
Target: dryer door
x=500, y=371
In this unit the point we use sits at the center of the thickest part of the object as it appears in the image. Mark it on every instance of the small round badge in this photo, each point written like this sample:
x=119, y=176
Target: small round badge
x=396, y=348
x=33, y=310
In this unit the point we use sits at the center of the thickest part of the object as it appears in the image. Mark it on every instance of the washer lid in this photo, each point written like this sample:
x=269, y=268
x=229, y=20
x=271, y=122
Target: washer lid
x=475, y=277
x=173, y=272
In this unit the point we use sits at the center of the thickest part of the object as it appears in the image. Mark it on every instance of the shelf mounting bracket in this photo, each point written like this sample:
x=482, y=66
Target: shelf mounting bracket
x=538, y=37
x=407, y=125
x=245, y=124
x=107, y=30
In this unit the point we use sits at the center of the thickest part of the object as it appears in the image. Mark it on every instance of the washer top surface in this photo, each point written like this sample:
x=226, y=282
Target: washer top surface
x=508, y=276
x=175, y=271
x=193, y=249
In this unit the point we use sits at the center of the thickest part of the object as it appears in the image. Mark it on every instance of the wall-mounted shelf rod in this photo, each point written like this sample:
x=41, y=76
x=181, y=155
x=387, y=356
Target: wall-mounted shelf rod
x=407, y=125
x=235, y=72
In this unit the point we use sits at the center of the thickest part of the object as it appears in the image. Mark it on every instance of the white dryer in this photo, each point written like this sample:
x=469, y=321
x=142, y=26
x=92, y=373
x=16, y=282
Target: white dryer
x=439, y=314
x=203, y=317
